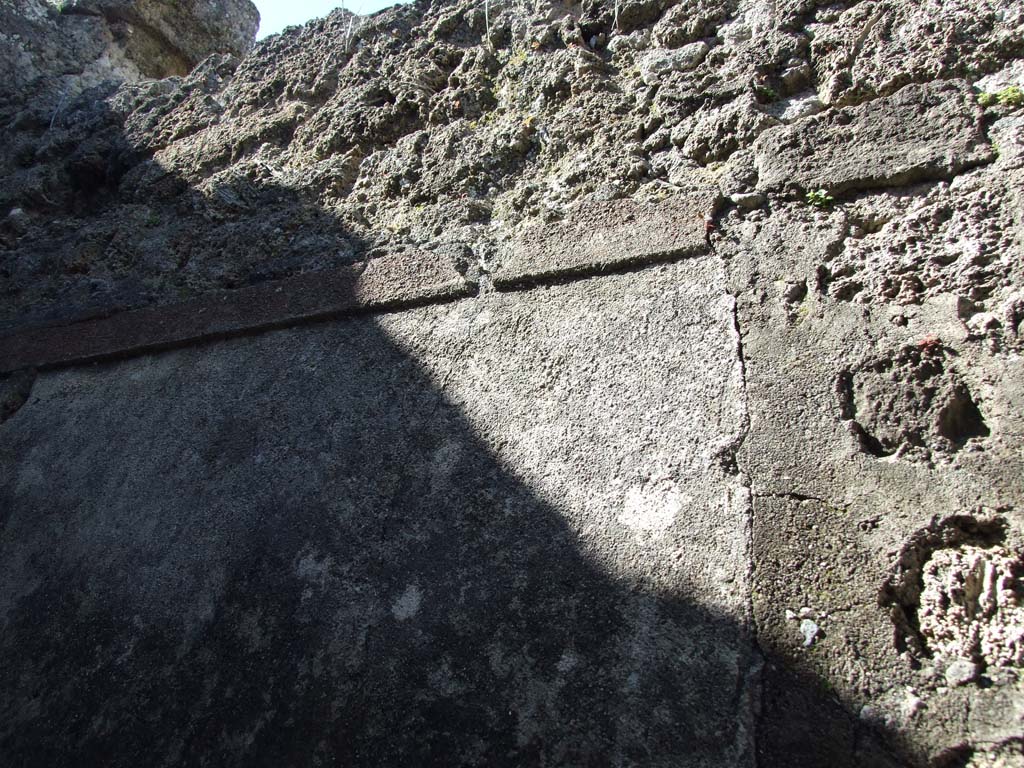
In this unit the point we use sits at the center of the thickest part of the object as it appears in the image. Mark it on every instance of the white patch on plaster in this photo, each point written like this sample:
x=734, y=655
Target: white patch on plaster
x=568, y=661
x=408, y=603
x=653, y=507
x=632, y=683
x=312, y=569
x=443, y=463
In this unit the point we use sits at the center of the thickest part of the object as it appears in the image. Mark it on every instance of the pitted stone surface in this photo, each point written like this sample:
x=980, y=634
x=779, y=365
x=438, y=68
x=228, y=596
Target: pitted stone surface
x=832, y=511
x=921, y=132
x=604, y=236
x=52, y=49
x=972, y=606
x=176, y=36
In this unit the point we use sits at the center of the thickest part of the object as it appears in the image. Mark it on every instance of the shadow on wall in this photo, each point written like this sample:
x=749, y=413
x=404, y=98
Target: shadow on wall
x=295, y=549
x=96, y=225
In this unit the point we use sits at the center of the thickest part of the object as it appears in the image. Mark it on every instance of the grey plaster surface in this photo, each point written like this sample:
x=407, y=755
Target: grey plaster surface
x=387, y=541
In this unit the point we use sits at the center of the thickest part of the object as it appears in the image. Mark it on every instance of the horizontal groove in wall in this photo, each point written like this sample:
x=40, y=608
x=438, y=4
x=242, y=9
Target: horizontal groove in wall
x=621, y=237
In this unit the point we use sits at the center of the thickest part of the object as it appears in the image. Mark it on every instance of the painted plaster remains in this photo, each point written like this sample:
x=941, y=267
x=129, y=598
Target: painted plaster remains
x=627, y=384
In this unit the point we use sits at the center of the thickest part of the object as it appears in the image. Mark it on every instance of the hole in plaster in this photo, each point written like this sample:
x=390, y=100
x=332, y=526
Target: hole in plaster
x=956, y=596
x=910, y=403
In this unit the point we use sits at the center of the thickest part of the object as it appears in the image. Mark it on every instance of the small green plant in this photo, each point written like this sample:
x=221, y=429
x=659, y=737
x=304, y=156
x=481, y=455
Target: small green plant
x=765, y=94
x=484, y=120
x=1012, y=96
x=518, y=58
x=819, y=198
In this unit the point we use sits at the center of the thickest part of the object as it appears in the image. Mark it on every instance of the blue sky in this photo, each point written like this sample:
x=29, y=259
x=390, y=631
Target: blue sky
x=275, y=15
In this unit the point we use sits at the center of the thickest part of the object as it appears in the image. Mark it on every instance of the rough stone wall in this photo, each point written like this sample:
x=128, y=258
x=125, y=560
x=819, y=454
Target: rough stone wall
x=626, y=384
x=54, y=50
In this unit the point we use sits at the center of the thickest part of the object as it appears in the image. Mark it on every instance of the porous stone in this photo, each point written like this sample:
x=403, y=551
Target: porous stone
x=72, y=45
x=922, y=132
x=961, y=672
x=798, y=107
x=178, y=35
x=971, y=608
x=658, y=64
x=857, y=56
x=599, y=237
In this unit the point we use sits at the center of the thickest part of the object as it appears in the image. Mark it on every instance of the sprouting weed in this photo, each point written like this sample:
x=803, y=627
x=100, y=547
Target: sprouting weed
x=1011, y=96
x=819, y=198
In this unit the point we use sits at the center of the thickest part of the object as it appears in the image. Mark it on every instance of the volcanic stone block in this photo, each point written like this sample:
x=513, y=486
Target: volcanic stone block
x=603, y=236
x=919, y=133
x=383, y=283
x=177, y=36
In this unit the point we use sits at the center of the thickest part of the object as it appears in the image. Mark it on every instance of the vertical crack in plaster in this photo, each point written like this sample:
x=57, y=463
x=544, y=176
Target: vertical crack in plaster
x=749, y=696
